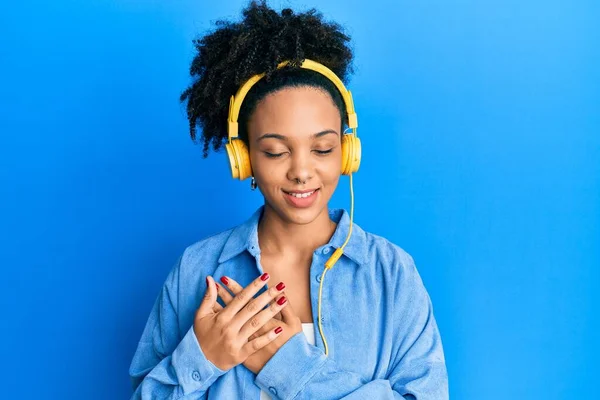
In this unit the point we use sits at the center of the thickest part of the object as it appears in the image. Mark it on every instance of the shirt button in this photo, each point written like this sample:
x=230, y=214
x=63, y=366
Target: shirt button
x=326, y=250
x=196, y=375
x=273, y=390
x=318, y=278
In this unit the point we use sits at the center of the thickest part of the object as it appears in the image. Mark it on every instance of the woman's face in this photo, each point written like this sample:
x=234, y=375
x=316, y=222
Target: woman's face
x=295, y=146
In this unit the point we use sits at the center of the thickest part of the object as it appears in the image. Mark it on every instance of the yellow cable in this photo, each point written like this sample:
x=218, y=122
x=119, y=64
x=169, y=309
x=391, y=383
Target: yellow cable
x=332, y=260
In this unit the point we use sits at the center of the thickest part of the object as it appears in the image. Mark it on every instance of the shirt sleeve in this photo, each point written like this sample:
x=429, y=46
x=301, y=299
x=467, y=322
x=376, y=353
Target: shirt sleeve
x=164, y=365
x=418, y=370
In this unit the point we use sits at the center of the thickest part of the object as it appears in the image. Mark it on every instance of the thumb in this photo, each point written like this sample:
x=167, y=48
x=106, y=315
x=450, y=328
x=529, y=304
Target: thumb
x=209, y=300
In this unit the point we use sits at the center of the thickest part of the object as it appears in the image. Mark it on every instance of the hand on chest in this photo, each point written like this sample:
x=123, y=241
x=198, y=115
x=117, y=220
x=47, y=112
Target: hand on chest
x=296, y=277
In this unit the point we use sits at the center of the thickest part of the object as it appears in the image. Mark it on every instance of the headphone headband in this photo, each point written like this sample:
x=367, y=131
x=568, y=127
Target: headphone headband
x=235, y=103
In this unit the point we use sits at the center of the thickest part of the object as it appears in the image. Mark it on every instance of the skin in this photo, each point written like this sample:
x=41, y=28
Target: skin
x=296, y=114
x=288, y=321
x=301, y=126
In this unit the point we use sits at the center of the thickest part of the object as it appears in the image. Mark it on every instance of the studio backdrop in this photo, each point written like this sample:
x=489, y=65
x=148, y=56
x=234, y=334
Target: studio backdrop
x=480, y=127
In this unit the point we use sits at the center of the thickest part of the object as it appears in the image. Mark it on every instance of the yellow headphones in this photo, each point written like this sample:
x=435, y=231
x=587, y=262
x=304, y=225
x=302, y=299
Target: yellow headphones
x=239, y=158
x=237, y=151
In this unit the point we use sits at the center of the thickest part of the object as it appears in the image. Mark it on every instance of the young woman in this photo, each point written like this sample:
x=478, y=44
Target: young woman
x=283, y=327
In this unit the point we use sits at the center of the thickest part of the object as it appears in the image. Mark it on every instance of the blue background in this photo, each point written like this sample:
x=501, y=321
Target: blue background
x=480, y=127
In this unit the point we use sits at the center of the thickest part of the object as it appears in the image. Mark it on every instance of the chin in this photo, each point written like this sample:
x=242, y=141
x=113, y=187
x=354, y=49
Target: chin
x=302, y=217
x=294, y=215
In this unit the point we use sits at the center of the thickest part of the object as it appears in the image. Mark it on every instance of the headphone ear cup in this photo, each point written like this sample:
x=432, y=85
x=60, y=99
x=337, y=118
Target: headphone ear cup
x=239, y=159
x=351, y=152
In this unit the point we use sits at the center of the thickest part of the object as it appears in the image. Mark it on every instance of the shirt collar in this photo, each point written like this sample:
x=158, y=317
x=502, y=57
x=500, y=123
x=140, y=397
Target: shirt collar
x=245, y=237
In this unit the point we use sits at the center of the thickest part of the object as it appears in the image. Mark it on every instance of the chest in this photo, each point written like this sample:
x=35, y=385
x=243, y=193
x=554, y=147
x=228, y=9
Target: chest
x=296, y=277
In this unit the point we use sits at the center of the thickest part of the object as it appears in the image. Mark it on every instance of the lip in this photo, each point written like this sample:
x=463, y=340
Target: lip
x=300, y=191
x=302, y=202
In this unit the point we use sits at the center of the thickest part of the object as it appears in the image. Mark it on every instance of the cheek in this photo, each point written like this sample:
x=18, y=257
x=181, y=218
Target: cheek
x=268, y=176
x=334, y=164
x=331, y=171
x=258, y=167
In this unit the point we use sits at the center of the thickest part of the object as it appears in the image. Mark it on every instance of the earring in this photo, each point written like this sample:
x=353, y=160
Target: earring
x=253, y=184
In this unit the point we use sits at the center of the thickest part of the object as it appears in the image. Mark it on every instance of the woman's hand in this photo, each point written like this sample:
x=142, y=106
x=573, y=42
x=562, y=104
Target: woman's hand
x=227, y=335
x=290, y=323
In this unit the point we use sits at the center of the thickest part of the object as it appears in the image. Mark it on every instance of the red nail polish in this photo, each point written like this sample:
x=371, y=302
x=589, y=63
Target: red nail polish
x=206, y=282
x=280, y=286
x=224, y=280
x=278, y=329
x=264, y=277
x=217, y=286
x=281, y=300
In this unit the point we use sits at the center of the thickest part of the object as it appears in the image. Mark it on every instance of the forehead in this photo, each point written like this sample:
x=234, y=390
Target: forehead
x=295, y=111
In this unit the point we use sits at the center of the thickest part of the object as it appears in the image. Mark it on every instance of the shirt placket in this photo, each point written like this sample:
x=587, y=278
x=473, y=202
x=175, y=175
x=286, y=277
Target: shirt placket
x=316, y=271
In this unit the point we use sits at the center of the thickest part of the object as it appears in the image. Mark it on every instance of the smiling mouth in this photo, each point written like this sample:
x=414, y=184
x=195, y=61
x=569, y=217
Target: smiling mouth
x=301, y=195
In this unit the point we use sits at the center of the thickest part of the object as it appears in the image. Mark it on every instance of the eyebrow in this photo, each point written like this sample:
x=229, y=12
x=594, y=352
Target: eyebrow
x=282, y=137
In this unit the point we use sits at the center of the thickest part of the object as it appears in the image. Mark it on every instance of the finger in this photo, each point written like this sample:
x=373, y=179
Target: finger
x=231, y=284
x=263, y=319
x=225, y=295
x=218, y=307
x=255, y=306
x=209, y=300
x=288, y=313
x=236, y=288
x=267, y=326
x=255, y=345
x=243, y=297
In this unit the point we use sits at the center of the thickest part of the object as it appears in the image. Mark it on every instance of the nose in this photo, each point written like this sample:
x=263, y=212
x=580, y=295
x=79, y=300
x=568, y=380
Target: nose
x=301, y=169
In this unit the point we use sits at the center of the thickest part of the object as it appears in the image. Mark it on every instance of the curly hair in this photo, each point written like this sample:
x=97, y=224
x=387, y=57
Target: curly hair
x=235, y=51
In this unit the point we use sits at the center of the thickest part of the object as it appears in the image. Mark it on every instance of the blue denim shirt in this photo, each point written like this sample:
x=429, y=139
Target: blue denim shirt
x=377, y=318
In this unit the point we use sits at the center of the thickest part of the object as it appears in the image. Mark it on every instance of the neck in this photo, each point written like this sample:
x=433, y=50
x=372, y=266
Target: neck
x=277, y=236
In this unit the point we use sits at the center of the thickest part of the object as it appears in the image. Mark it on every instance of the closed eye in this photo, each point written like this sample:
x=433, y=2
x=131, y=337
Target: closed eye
x=324, y=151
x=273, y=155
x=277, y=155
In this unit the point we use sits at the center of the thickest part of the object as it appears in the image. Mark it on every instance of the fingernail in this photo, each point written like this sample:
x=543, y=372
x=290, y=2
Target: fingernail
x=224, y=280
x=206, y=282
x=217, y=286
x=280, y=286
x=264, y=276
x=281, y=300
x=278, y=329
